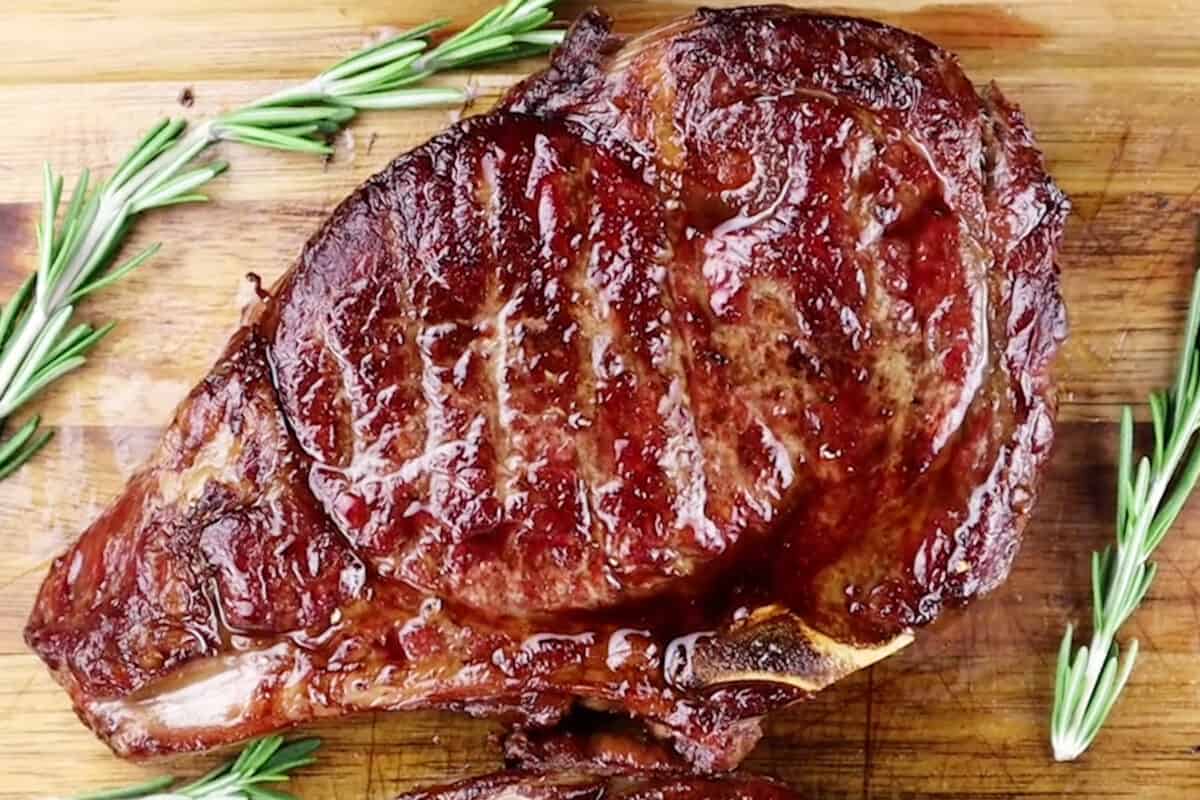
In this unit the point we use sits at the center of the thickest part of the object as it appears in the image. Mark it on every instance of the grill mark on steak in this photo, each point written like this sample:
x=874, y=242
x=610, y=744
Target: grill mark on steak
x=682, y=385
x=585, y=321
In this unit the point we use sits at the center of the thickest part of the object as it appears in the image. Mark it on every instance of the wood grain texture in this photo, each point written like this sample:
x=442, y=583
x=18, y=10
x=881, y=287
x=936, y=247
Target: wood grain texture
x=1113, y=91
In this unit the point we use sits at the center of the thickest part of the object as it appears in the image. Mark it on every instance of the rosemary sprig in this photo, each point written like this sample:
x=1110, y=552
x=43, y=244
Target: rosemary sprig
x=384, y=76
x=263, y=761
x=1149, y=498
x=77, y=245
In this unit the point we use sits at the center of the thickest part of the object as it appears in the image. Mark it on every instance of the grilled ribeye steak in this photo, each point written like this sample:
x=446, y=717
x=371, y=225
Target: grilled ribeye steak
x=521, y=786
x=686, y=382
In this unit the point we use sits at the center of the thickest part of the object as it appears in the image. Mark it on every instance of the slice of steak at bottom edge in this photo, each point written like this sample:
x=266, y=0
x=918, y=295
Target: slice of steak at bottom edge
x=683, y=385
x=526, y=786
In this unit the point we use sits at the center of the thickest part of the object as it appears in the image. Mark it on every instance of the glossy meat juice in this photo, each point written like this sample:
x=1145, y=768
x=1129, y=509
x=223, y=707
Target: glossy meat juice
x=692, y=378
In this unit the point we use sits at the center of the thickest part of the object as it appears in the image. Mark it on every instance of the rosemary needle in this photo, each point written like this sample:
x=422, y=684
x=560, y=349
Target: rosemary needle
x=77, y=243
x=1150, y=495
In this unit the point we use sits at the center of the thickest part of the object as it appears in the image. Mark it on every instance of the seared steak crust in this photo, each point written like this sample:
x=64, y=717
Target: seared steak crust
x=692, y=378
x=522, y=786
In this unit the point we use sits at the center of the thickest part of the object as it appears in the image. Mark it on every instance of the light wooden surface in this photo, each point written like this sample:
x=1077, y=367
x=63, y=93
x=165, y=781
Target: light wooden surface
x=1113, y=91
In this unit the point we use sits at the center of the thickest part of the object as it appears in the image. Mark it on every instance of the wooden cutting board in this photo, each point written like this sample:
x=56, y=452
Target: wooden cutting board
x=1113, y=91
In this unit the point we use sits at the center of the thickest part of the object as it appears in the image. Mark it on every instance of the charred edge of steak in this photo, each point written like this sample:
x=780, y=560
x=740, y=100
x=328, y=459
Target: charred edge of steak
x=578, y=59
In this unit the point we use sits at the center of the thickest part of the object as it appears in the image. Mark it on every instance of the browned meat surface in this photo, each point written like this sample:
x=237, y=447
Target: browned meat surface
x=522, y=786
x=691, y=379
x=590, y=745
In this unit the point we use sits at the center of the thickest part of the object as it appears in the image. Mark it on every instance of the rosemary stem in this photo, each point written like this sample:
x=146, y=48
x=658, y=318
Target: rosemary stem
x=169, y=162
x=99, y=238
x=309, y=90
x=165, y=163
x=15, y=352
x=1128, y=561
x=215, y=788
